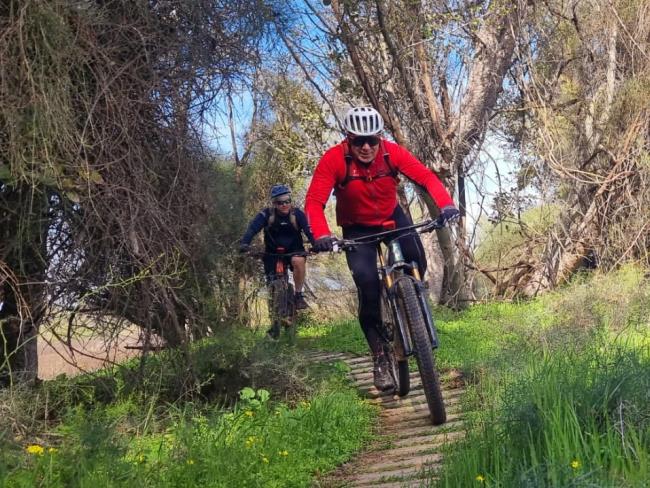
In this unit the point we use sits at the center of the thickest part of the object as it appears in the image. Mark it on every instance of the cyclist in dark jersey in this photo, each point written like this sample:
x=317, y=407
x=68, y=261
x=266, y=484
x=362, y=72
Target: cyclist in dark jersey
x=284, y=226
x=363, y=172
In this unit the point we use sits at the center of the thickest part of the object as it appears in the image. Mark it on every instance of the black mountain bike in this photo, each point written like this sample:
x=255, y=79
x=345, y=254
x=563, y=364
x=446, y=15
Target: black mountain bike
x=282, y=304
x=408, y=328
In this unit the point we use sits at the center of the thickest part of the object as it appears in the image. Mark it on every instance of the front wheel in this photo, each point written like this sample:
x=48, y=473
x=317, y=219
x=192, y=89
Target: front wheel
x=290, y=314
x=412, y=313
x=282, y=307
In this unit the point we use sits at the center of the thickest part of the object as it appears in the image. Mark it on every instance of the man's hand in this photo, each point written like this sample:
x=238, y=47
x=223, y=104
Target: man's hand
x=324, y=244
x=449, y=214
x=244, y=248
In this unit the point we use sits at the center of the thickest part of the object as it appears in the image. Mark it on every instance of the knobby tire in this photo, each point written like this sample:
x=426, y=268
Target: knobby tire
x=283, y=308
x=412, y=313
x=290, y=325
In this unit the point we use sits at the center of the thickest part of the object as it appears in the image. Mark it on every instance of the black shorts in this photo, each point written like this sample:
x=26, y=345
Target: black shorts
x=269, y=262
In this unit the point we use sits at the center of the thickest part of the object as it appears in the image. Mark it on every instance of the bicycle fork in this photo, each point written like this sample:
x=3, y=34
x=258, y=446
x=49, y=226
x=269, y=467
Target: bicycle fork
x=388, y=282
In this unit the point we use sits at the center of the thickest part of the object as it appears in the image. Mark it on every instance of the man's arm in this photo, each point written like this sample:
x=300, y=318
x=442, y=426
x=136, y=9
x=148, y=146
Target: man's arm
x=304, y=225
x=319, y=192
x=413, y=169
x=256, y=225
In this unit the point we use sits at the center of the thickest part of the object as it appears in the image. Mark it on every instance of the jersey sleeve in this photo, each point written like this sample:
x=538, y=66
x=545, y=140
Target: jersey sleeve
x=255, y=225
x=304, y=225
x=320, y=188
x=413, y=169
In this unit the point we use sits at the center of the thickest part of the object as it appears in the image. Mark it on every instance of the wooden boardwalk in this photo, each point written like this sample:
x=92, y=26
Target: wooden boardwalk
x=407, y=452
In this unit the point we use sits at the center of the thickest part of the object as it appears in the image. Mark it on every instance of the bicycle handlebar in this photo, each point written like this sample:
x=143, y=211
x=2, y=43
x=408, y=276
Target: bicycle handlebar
x=260, y=254
x=422, y=228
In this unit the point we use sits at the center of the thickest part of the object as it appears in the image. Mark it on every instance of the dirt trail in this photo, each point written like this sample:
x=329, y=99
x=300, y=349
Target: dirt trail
x=408, y=450
x=92, y=353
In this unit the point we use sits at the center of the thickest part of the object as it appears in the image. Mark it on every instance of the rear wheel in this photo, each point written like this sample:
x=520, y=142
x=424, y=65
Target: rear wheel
x=289, y=320
x=412, y=313
x=282, y=307
x=399, y=367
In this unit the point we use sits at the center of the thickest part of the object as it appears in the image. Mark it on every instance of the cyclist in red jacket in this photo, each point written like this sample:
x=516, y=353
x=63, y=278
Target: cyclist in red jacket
x=363, y=172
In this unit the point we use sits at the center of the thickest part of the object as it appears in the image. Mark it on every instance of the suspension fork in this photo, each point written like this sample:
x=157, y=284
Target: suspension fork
x=424, y=305
x=388, y=282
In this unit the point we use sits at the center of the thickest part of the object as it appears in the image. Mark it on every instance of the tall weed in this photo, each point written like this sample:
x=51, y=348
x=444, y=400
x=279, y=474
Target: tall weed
x=568, y=418
x=559, y=387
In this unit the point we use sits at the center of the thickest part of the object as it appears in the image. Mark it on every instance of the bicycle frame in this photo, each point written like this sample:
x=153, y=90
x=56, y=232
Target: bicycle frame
x=281, y=269
x=411, y=272
x=408, y=328
x=395, y=262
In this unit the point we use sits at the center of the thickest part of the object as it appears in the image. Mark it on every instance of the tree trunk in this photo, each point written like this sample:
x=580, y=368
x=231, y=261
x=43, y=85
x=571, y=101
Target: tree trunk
x=22, y=275
x=20, y=362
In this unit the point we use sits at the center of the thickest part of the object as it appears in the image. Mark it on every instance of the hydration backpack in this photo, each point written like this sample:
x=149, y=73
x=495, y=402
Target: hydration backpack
x=272, y=218
x=392, y=172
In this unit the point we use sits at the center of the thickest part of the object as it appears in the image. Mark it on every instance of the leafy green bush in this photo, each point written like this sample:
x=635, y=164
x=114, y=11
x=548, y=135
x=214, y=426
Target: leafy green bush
x=505, y=243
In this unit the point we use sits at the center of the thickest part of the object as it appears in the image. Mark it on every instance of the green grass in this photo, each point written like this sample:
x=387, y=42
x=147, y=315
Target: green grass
x=558, y=388
x=294, y=422
x=572, y=418
x=340, y=336
x=256, y=444
x=557, y=396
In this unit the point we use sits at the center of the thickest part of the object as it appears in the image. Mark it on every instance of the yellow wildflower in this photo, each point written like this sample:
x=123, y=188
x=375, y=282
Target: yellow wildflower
x=575, y=464
x=190, y=461
x=265, y=459
x=35, y=449
x=249, y=413
x=283, y=453
x=52, y=450
x=480, y=478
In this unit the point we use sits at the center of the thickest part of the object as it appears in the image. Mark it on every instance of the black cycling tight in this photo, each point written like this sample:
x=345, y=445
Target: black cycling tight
x=362, y=261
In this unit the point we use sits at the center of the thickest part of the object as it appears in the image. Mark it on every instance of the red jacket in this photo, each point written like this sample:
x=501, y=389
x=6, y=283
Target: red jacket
x=367, y=201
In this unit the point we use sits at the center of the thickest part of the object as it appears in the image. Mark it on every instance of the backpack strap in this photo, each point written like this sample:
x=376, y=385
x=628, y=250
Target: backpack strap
x=270, y=219
x=392, y=171
x=294, y=220
x=348, y=163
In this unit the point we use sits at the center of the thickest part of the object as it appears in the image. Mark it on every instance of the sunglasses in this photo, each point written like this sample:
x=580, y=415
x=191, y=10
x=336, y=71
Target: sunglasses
x=282, y=202
x=360, y=141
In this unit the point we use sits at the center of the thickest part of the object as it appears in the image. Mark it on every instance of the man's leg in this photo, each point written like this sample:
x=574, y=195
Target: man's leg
x=363, y=264
x=299, y=265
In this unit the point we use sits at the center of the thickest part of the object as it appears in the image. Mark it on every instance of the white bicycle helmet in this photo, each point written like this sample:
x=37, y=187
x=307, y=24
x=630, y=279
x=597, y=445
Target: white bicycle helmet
x=363, y=121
